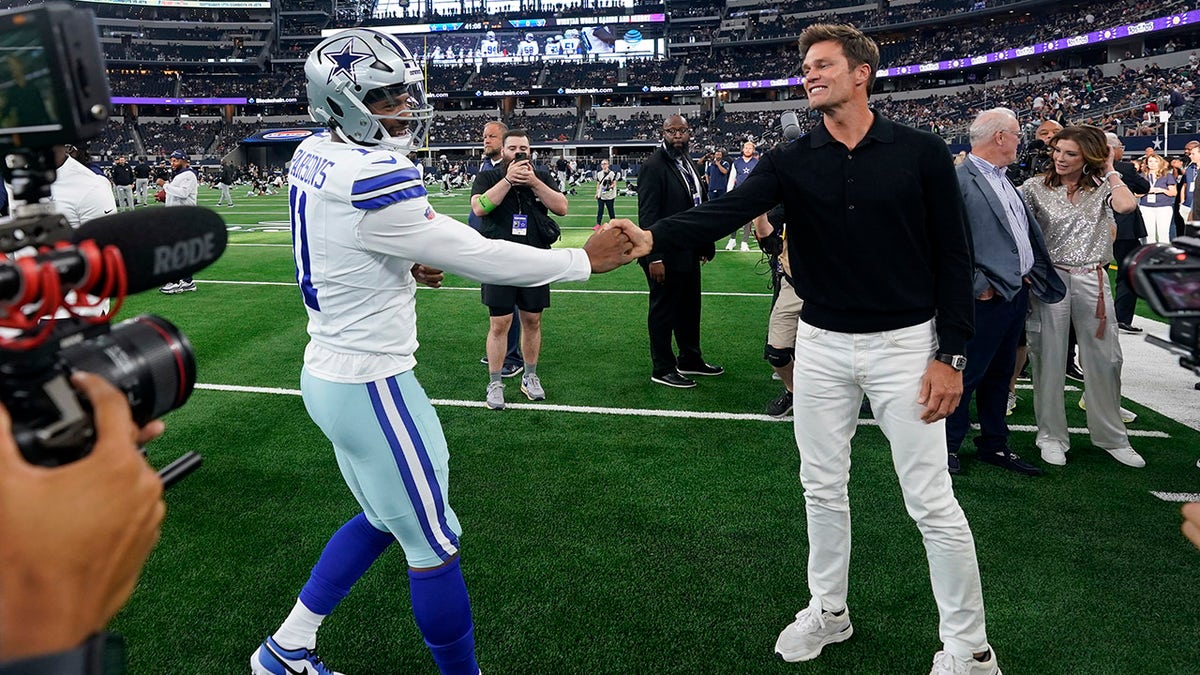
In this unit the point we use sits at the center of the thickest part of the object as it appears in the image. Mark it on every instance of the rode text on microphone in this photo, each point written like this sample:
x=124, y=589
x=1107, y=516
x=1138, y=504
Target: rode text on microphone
x=51, y=273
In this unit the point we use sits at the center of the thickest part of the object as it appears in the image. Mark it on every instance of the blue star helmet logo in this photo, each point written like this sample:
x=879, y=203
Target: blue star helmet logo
x=346, y=60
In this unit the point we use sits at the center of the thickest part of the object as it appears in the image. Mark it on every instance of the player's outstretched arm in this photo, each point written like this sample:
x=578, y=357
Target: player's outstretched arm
x=75, y=537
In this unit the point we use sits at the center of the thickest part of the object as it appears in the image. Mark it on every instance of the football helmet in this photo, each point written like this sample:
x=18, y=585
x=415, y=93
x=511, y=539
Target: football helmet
x=357, y=68
x=491, y=35
x=571, y=33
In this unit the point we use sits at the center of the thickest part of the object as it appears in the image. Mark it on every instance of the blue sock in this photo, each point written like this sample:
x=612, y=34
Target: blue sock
x=443, y=613
x=346, y=557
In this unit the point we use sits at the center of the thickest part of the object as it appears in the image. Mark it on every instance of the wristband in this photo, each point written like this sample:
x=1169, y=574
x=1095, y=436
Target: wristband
x=486, y=204
x=1112, y=173
x=506, y=180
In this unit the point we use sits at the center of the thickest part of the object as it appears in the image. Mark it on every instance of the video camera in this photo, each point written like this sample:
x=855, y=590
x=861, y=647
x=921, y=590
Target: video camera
x=1168, y=277
x=1033, y=160
x=53, y=278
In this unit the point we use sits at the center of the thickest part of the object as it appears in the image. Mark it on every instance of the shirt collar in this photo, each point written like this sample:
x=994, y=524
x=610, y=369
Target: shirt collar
x=882, y=130
x=987, y=166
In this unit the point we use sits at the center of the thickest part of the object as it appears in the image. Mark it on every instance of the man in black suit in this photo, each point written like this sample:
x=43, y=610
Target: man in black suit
x=668, y=184
x=1131, y=230
x=1010, y=263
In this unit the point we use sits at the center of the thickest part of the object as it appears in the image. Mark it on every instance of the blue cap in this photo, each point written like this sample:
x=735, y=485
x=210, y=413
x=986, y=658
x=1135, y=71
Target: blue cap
x=179, y=154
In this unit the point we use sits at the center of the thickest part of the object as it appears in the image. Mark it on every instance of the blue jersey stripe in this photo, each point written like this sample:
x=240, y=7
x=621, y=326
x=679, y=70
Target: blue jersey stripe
x=380, y=201
x=423, y=455
x=384, y=180
x=406, y=476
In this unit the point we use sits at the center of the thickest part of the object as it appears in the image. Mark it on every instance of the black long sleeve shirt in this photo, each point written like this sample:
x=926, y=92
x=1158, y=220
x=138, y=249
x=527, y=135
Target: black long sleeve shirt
x=876, y=234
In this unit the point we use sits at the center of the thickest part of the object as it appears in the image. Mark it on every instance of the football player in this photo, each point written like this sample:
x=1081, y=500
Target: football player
x=570, y=42
x=527, y=48
x=489, y=46
x=364, y=235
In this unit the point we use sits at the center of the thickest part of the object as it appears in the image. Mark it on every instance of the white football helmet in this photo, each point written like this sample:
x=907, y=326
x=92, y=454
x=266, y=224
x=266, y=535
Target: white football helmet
x=356, y=68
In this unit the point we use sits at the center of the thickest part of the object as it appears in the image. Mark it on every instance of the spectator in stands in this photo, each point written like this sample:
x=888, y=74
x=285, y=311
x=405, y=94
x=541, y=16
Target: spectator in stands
x=1157, y=205
x=1072, y=203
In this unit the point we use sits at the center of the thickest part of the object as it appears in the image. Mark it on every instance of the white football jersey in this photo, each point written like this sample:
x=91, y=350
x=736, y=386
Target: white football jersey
x=489, y=47
x=553, y=48
x=570, y=45
x=527, y=48
x=360, y=220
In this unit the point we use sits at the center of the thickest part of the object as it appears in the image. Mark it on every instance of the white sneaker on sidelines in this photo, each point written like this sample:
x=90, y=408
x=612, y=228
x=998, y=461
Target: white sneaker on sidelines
x=804, y=638
x=495, y=395
x=1012, y=403
x=185, y=287
x=271, y=659
x=531, y=386
x=745, y=247
x=945, y=663
x=1127, y=416
x=1127, y=456
x=1054, y=455
x=170, y=289
x=731, y=245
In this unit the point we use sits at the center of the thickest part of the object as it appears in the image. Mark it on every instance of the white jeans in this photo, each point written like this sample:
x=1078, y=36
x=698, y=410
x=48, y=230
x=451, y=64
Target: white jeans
x=1158, y=222
x=832, y=372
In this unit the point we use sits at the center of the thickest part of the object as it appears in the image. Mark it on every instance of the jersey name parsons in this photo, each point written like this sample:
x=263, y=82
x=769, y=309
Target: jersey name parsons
x=309, y=168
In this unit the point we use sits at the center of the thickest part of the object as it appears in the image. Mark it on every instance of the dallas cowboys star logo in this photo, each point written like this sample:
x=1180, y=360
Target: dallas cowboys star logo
x=345, y=60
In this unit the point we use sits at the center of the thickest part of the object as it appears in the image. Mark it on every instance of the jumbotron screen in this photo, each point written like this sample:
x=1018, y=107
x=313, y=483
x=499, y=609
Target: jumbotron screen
x=217, y=4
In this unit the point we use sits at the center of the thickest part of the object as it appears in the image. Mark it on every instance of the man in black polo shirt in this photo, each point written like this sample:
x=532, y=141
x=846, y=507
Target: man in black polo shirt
x=141, y=174
x=122, y=178
x=513, y=200
x=881, y=257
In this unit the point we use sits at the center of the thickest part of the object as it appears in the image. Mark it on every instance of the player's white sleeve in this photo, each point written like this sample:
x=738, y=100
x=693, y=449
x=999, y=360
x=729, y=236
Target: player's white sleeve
x=411, y=230
x=182, y=186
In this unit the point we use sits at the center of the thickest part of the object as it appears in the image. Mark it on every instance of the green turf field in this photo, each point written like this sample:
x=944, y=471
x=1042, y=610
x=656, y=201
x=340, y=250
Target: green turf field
x=599, y=540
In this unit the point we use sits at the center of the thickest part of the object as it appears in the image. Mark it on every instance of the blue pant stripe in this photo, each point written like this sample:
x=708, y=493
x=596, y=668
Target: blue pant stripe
x=422, y=455
x=412, y=481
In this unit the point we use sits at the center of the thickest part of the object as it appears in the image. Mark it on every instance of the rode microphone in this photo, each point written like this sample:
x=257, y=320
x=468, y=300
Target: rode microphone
x=158, y=246
x=790, y=124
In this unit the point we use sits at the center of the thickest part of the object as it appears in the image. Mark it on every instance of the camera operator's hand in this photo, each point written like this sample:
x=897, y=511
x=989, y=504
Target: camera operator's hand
x=1191, y=522
x=75, y=537
x=520, y=172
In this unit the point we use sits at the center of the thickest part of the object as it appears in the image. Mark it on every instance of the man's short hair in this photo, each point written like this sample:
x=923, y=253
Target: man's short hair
x=857, y=47
x=502, y=125
x=1113, y=140
x=515, y=132
x=989, y=122
x=1190, y=145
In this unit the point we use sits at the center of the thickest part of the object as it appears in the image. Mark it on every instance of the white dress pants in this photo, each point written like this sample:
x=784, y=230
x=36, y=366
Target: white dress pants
x=832, y=372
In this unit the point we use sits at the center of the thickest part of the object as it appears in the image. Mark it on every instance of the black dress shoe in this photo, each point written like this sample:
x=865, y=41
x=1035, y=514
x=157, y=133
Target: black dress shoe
x=673, y=380
x=1129, y=328
x=953, y=464
x=1009, y=460
x=701, y=369
x=1074, y=372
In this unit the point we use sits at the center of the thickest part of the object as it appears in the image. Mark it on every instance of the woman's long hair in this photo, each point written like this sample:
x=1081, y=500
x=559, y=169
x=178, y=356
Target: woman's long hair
x=1094, y=146
x=1160, y=171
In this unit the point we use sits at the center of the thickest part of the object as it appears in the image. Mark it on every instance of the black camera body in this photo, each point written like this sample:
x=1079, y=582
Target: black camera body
x=1167, y=276
x=53, y=91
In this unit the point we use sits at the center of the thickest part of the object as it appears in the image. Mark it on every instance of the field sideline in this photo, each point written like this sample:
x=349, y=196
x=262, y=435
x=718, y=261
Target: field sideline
x=623, y=527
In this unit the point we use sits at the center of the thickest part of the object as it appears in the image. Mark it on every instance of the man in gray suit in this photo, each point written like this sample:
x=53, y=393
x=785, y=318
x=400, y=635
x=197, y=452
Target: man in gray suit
x=1010, y=263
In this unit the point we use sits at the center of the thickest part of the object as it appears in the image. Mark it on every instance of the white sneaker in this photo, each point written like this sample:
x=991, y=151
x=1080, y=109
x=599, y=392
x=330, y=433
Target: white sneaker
x=730, y=246
x=531, y=386
x=1127, y=456
x=495, y=395
x=1012, y=403
x=804, y=638
x=271, y=659
x=945, y=663
x=745, y=247
x=170, y=289
x=1127, y=416
x=1054, y=455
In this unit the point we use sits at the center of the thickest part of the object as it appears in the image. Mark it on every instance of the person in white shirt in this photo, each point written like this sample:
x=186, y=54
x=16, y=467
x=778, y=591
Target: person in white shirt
x=365, y=236
x=80, y=195
x=181, y=191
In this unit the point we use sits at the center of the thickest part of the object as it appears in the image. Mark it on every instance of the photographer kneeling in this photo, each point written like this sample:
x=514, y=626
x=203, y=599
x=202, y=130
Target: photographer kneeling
x=75, y=540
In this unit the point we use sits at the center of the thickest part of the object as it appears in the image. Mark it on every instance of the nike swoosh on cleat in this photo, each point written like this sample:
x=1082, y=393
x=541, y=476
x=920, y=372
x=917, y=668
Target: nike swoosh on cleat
x=283, y=662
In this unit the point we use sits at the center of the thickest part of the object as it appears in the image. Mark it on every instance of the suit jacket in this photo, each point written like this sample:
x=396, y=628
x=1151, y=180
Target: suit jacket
x=662, y=192
x=1131, y=225
x=996, y=261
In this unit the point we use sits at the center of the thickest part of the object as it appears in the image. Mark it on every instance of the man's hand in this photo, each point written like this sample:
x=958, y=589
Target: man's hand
x=987, y=294
x=519, y=173
x=941, y=389
x=643, y=240
x=161, y=182
x=75, y=537
x=1191, y=522
x=427, y=276
x=657, y=271
x=608, y=249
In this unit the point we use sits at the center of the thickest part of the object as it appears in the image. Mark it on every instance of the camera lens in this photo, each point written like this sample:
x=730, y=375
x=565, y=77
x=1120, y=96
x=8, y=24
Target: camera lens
x=147, y=358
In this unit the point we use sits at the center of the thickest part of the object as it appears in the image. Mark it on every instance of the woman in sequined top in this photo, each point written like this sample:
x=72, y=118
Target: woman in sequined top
x=1158, y=205
x=1074, y=203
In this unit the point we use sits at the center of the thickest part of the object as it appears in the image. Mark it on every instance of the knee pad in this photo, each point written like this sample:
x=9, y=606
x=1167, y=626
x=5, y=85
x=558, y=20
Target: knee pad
x=778, y=357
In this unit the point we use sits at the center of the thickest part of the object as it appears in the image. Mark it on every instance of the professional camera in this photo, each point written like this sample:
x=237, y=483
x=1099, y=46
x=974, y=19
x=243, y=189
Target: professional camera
x=1033, y=160
x=1168, y=277
x=53, y=91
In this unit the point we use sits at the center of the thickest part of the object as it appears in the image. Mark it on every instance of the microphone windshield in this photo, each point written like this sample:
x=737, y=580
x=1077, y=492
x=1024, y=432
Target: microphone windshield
x=790, y=124
x=159, y=245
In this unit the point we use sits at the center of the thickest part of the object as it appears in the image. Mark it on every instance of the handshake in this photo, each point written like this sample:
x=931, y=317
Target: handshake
x=617, y=242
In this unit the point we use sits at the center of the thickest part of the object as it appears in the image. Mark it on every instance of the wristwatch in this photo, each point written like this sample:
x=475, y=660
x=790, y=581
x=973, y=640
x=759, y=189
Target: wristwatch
x=955, y=361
